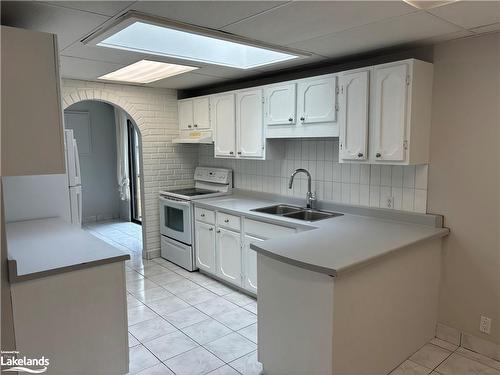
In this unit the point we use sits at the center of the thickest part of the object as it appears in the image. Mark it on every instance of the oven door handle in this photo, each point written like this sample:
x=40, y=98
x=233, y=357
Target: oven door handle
x=173, y=202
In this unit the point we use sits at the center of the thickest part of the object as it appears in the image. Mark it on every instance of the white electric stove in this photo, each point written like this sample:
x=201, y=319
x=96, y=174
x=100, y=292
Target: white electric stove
x=177, y=213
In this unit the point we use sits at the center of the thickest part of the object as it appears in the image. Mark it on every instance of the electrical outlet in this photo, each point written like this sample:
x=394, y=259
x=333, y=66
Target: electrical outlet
x=390, y=202
x=485, y=325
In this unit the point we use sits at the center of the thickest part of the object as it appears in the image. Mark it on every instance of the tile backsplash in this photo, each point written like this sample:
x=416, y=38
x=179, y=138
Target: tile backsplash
x=385, y=186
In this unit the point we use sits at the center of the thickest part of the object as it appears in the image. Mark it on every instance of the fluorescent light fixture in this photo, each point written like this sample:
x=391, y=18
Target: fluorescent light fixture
x=153, y=36
x=146, y=71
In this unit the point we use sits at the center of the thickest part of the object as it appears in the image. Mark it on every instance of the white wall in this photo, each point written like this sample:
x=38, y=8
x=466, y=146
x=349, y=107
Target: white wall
x=355, y=184
x=100, y=197
x=464, y=179
x=154, y=111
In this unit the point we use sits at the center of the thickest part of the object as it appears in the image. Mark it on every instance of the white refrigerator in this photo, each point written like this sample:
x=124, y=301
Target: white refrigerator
x=74, y=178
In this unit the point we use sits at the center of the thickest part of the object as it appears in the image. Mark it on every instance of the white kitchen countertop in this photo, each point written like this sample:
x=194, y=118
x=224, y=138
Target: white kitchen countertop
x=39, y=248
x=332, y=246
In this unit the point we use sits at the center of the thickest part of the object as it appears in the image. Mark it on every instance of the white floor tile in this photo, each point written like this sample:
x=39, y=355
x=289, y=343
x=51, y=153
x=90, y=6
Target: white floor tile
x=430, y=356
x=180, y=286
x=132, y=341
x=224, y=370
x=168, y=346
x=197, y=361
x=151, y=329
x=236, y=319
x=197, y=296
x=159, y=369
x=206, y=331
x=168, y=305
x=249, y=332
x=231, y=347
x=479, y=358
x=186, y=317
x=458, y=365
x=411, y=368
x=239, y=299
x=140, y=358
x=248, y=365
x=218, y=288
x=140, y=314
x=215, y=306
x=152, y=294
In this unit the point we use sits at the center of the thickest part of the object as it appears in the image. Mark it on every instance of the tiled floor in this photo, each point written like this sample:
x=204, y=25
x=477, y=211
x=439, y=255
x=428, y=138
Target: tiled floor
x=186, y=323
x=124, y=235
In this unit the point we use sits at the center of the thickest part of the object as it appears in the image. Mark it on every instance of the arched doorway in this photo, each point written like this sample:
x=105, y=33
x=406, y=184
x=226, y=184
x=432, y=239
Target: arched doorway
x=110, y=148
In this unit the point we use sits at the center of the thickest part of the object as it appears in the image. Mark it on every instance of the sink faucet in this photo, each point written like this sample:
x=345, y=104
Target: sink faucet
x=310, y=196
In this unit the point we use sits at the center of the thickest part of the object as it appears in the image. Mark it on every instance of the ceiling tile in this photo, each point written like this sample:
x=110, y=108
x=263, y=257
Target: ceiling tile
x=383, y=34
x=72, y=67
x=487, y=29
x=112, y=55
x=69, y=24
x=105, y=8
x=214, y=14
x=470, y=14
x=304, y=20
x=186, y=80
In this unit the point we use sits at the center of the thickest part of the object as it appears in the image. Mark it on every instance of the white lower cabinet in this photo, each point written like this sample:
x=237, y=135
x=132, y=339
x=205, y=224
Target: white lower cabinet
x=205, y=246
x=250, y=264
x=228, y=255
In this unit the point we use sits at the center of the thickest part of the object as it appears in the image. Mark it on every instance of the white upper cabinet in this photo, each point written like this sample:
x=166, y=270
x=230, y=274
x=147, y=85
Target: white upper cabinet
x=201, y=113
x=185, y=108
x=281, y=104
x=317, y=100
x=353, y=115
x=249, y=123
x=390, y=101
x=401, y=102
x=223, y=119
x=229, y=255
x=194, y=114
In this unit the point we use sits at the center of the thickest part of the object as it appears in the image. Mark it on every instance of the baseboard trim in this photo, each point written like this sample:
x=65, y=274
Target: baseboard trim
x=468, y=341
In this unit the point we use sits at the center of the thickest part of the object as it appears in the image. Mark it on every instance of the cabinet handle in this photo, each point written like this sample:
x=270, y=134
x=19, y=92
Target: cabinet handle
x=189, y=126
x=302, y=119
x=210, y=229
x=195, y=125
x=290, y=119
x=378, y=155
x=239, y=152
x=218, y=231
x=202, y=215
x=231, y=153
x=226, y=221
x=360, y=155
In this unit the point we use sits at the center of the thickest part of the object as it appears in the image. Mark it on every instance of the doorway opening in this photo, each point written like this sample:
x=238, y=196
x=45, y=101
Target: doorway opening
x=109, y=150
x=134, y=173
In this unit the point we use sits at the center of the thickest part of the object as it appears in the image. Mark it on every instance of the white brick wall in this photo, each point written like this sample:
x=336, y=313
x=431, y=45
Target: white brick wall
x=365, y=185
x=155, y=113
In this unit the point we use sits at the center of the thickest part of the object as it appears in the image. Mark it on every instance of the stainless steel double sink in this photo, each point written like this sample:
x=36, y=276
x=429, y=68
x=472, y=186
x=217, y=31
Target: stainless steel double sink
x=295, y=212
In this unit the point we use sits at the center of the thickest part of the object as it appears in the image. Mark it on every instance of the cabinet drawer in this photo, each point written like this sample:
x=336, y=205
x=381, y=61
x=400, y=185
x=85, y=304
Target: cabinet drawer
x=266, y=230
x=228, y=221
x=205, y=215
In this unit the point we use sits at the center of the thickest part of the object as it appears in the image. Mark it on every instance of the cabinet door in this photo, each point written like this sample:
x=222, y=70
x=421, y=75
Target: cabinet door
x=185, y=108
x=249, y=124
x=389, y=113
x=32, y=125
x=201, y=113
x=353, y=115
x=281, y=102
x=223, y=119
x=250, y=264
x=205, y=246
x=317, y=100
x=229, y=255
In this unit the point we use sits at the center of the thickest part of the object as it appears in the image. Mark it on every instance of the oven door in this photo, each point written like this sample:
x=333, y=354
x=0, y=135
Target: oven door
x=176, y=219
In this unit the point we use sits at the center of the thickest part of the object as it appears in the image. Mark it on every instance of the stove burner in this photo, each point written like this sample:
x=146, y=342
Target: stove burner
x=191, y=192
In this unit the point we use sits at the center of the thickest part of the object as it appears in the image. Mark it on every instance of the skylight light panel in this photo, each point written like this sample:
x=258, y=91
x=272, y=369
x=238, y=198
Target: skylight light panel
x=167, y=41
x=146, y=71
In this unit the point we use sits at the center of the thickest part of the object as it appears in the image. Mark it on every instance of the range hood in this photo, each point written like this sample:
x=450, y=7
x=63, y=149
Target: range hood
x=194, y=137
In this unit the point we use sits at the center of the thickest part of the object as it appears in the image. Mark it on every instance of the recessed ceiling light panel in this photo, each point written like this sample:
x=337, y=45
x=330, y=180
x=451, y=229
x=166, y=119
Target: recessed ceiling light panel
x=144, y=34
x=146, y=71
